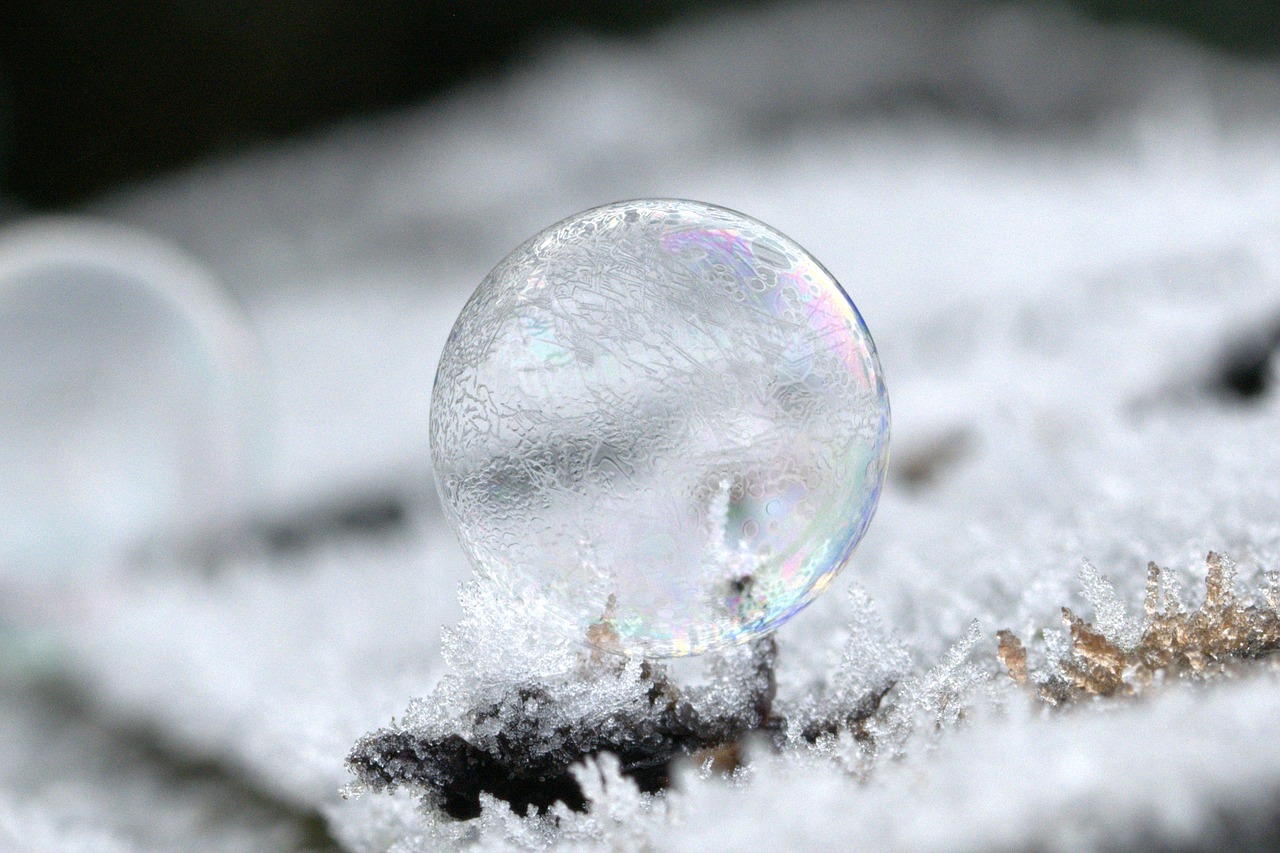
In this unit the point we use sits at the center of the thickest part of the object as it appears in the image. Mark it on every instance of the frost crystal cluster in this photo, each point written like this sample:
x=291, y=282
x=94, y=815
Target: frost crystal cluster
x=519, y=723
x=661, y=425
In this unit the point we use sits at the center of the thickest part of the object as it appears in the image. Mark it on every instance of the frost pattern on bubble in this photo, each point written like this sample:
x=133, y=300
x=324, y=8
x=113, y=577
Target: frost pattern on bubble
x=661, y=425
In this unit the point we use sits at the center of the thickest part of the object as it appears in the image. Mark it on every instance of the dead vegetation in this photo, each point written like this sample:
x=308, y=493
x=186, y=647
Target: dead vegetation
x=1224, y=631
x=531, y=769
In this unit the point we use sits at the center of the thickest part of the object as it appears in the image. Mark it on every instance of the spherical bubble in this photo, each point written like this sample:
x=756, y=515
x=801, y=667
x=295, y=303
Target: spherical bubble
x=661, y=424
x=127, y=389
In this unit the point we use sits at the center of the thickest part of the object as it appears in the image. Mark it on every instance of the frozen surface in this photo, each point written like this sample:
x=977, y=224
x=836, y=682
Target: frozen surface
x=1056, y=234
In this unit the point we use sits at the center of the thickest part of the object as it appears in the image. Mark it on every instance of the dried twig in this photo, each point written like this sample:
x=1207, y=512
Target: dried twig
x=1174, y=642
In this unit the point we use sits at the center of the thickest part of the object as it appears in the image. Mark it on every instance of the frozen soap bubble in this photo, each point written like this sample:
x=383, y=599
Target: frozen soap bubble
x=126, y=396
x=661, y=425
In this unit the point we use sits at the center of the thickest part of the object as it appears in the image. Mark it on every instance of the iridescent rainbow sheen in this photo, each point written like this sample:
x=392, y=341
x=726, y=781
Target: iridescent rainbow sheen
x=662, y=424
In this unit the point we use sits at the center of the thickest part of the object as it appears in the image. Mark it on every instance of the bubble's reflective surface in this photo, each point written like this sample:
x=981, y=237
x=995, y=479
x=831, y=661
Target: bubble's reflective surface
x=662, y=424
x=125, y=382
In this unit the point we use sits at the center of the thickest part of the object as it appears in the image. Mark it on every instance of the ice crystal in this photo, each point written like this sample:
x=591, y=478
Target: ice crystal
x=931, y=702
x=873, y=661
x=1105, y=660
x=1109, y=611
x=874, y=658
x=519, y=710
x=532, y=734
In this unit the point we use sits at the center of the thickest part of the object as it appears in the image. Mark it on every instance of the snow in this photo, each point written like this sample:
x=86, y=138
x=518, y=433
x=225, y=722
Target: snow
x=1169, y=773
x=1055, y=232
x=68, y=784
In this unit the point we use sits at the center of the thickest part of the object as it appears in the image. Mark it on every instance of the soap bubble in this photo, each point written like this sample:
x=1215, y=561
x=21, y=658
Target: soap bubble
x=127, y=385
x=661, y=426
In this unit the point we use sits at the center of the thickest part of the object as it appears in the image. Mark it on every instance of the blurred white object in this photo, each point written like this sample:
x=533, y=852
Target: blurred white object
x=127, y=388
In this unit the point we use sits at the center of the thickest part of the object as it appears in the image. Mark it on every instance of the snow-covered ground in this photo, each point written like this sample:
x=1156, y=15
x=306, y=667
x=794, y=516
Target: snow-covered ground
x=1055, y=232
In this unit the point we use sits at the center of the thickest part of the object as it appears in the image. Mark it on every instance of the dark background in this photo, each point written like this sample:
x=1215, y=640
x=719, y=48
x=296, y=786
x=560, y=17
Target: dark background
x=94, y=93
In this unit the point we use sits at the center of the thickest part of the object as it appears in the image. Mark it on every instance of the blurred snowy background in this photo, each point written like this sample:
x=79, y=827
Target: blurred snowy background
x=222, y=560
